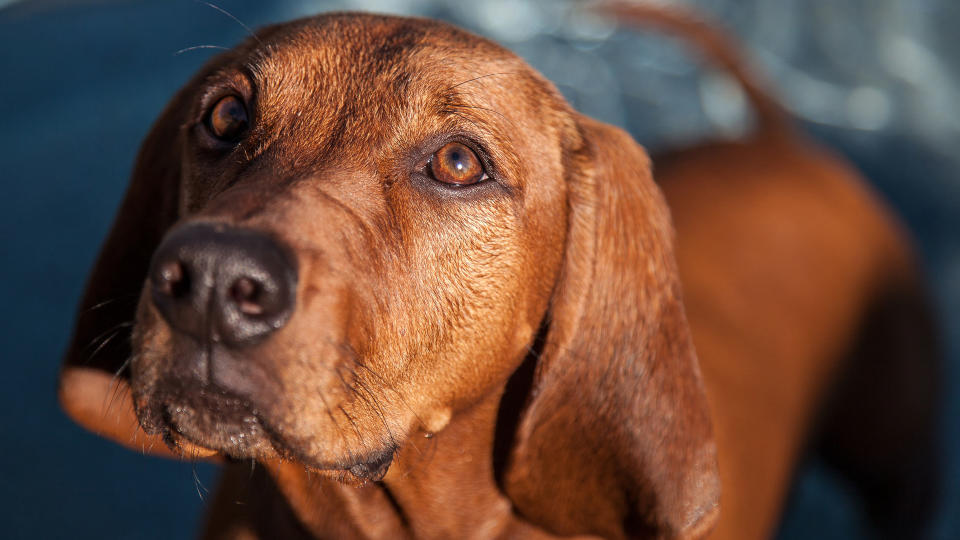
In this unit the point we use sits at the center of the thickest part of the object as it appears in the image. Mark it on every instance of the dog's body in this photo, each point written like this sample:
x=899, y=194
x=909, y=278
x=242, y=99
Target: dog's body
x=810, y=276
x=504, y=358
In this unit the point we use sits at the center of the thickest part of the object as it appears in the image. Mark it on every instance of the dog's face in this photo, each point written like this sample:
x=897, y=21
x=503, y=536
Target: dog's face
x=371, y=218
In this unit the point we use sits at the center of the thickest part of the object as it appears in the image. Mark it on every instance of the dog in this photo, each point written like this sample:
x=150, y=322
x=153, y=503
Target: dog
x=383, y=259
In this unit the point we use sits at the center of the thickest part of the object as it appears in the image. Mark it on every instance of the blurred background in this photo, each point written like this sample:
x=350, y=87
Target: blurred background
x=82, y=80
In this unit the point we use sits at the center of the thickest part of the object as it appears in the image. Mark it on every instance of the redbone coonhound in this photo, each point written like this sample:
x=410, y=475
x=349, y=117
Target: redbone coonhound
x=384, y=258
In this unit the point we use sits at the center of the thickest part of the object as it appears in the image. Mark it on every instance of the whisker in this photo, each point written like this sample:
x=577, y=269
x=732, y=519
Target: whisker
x=468, y=119
x=461, y=83
x=196, y=47
x=351, y=391
x=387, y=385
x=104, y=334
x=123, y=367
x=353, y=423
x=117, y=330
x=363, y=392
x=197, y=483
x=228, y=14
x=426, y=456
x=335, y=423
x=115, y=384
x=108, y=301
x=384, y=383
x=494, y=111
x=136, y=435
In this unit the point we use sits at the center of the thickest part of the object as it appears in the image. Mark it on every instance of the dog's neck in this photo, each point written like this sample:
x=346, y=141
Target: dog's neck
x=454, y=466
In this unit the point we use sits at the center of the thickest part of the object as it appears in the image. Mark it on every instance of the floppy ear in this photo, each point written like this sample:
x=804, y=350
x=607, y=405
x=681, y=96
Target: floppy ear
x=616, y=438
x=93, y=381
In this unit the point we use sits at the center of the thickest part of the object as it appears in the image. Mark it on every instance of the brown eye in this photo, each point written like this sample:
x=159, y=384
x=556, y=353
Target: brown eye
x=227, y=119
x=456, y=164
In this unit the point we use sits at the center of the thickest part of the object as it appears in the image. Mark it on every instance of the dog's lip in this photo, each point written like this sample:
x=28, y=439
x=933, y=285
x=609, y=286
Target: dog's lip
x=200, y=422
x=242, y=437
x=209, y=418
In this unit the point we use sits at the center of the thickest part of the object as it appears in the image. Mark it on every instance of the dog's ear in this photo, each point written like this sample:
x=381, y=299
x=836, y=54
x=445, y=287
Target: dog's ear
x=616, y=438
x=93, y=382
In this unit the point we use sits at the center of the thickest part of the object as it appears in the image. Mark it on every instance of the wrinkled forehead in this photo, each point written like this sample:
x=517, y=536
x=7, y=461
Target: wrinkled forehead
x=346, y=45
x=361, y=76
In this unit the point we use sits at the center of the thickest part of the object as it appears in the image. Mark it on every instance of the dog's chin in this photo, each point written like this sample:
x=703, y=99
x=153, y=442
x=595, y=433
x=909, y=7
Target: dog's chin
x=202, y=421
x=191, y=420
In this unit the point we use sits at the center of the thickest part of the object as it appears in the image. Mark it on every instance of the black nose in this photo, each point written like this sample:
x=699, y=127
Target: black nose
x=221, y=283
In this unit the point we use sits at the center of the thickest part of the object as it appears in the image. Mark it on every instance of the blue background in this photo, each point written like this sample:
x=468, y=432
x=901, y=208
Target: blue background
x=81, y=82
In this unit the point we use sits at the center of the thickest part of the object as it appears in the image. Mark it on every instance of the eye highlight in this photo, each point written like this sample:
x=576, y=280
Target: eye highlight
x=456, y=164
x=227, y=119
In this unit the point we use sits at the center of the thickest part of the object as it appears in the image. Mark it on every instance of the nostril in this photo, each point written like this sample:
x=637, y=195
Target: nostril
x=227, y=284
x=172, y=279
x=246, y=293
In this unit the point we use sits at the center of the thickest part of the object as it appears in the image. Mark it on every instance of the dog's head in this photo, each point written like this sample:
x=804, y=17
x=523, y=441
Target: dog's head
x=352, y=227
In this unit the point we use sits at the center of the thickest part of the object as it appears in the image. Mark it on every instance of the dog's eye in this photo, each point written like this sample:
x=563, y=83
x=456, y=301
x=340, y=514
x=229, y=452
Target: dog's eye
x=227, y=119
x=456, y=164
